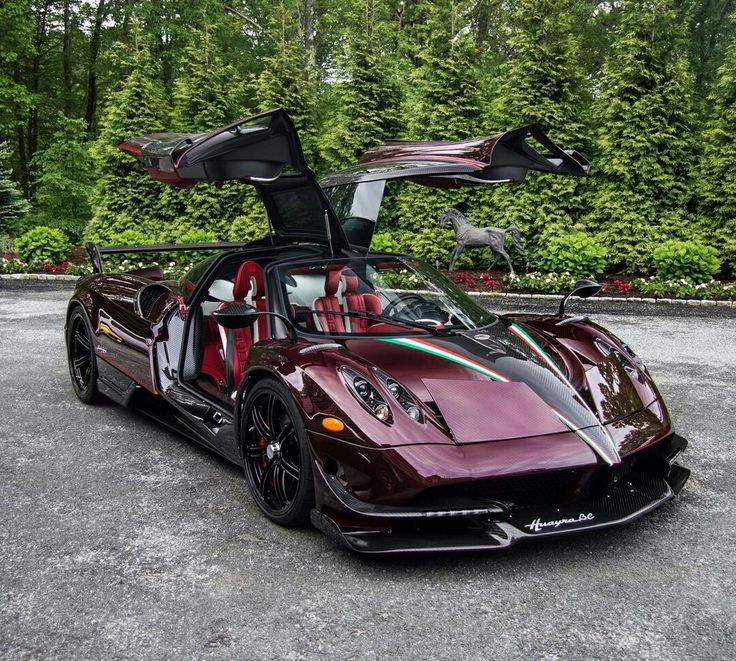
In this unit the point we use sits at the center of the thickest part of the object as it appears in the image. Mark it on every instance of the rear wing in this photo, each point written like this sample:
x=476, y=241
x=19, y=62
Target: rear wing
x=95, y=252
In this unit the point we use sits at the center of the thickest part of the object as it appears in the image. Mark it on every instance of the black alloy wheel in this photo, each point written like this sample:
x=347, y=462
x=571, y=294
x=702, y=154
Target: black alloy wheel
x=276, y=458
x=82, y=359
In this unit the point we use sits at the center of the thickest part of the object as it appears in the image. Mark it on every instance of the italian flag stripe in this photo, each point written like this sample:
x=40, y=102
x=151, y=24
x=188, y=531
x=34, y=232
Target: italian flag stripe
x=434, y=350
x=609, y=455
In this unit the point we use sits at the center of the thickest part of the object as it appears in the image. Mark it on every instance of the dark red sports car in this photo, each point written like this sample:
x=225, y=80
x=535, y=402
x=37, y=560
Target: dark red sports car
x=366, y=392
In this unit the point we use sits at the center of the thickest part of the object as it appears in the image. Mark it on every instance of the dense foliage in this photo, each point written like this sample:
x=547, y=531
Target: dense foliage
x=576, y=254
x=645, y=88
x=686, y=260
x=43, y=245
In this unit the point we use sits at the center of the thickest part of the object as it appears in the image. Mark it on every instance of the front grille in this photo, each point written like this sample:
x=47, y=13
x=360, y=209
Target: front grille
x=549, y=489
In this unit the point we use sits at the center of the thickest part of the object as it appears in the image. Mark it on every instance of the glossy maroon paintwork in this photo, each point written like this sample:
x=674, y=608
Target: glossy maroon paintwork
x=421, y=453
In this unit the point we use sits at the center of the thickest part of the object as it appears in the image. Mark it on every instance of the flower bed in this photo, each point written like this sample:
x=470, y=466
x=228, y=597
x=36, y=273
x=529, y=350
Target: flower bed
x=615, y=286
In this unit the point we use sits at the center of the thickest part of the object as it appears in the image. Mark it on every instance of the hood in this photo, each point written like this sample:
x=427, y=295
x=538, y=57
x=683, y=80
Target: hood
x=504, y=382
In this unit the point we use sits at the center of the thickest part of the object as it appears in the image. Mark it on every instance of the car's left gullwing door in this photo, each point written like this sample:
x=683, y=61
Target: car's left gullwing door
x=264, y=151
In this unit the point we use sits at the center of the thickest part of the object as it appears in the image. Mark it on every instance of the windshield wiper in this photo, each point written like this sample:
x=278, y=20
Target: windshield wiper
x=434, y=330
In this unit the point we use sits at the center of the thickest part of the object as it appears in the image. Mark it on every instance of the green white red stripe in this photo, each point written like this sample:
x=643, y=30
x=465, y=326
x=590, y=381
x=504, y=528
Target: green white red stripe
x=452, y=356
x=609, y=453
x=605, y=450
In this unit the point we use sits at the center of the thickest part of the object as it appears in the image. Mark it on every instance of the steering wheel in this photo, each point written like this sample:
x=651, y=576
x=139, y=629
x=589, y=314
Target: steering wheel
x=417, y=306
x=402, y=299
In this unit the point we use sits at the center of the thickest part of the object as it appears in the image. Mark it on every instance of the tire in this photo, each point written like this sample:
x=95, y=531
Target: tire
x=81, y=358
x=276, y=458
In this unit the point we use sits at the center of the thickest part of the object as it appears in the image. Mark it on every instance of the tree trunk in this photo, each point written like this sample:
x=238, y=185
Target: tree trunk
x=66, y=60
x=307, y=16
x=94, y=50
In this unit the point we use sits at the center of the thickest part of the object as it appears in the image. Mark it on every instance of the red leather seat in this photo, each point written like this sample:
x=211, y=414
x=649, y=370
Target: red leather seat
x=258, y=298
x=358, y=302
x=238, y=341
x=330, y=323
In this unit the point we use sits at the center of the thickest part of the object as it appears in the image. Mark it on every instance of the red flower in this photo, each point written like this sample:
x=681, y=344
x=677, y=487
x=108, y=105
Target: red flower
x=491, y=283
x=55, y=268
x=485, y=276
x=463, y=278
x=622, y=287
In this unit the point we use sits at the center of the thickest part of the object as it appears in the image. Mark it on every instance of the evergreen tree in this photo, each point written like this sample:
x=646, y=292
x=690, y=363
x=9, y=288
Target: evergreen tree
x=12, y=205
x=206, y=95
x=368, y=101
x=125, y=197
x=543, y=82
x=287, y=80
x=644, y=147
x=441, y=103
x=64, y=179
x=717, y=168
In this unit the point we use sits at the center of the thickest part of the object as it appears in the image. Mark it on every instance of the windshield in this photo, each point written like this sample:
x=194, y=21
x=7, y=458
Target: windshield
x=376, y=295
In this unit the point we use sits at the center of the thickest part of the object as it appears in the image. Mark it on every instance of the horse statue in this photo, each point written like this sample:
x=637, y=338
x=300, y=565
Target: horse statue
x=468, y=236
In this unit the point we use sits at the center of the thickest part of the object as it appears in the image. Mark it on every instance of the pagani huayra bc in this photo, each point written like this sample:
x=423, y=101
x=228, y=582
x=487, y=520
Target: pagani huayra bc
x=363, y=392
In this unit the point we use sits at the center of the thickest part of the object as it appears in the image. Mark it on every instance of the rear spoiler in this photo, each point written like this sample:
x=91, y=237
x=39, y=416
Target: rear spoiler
x=95, y=252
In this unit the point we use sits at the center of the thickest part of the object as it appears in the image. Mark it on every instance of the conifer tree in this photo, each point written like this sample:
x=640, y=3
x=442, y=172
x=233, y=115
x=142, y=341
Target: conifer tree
x=543, y=82
x=368, y=101
x=287, y=80
x=125, y=197
x=206, y=95
x=644, y=147
x=12, y=204
x=717, y=168
x=441, y=104
x=64, y=180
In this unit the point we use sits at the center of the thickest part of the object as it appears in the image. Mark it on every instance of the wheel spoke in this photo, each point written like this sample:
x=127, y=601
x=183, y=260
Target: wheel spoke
x=266, y=475
x=81, y=361
x=270, y=420
x=81, y=337
x=255, y=452
x=289, y=468
x=286, y=432
x=259, y=422
x=279, y=485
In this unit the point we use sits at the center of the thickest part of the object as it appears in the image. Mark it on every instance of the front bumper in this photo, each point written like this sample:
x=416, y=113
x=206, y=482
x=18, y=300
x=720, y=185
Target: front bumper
x=614, y=497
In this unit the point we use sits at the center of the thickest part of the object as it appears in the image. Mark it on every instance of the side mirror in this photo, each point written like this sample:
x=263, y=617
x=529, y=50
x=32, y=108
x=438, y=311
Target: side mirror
x=235, y=315
x=582, y=289
x=241, y=315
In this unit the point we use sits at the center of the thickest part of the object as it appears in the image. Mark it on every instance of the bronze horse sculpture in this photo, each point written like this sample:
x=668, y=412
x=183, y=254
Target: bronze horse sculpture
x=469, y=236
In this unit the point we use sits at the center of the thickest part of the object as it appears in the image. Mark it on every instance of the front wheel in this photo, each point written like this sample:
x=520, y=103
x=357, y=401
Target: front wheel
x=276, y=458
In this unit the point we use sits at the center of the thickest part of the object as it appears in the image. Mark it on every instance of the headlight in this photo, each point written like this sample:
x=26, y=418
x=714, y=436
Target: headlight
x=400, y=394
x=629, y=360
x=366, y=393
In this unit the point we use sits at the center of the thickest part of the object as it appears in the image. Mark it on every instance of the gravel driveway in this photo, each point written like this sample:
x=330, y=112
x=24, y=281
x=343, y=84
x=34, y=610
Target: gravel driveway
x=119, y=539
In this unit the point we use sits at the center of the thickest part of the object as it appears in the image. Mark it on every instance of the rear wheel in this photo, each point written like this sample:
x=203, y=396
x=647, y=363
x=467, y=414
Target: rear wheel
x=81, y=358
x=276, y=459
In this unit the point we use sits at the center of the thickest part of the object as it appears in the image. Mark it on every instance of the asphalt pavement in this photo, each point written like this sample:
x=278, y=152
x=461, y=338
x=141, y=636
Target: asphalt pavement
x=120, y=539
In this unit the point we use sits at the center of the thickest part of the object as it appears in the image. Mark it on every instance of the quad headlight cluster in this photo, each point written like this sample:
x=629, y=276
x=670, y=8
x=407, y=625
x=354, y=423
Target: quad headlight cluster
x=370, y=396
x=629, y=360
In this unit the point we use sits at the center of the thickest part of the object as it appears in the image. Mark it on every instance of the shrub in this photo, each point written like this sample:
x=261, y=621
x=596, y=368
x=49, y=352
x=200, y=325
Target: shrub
x=689, y=260
x=576, y=254
x=126, y=262
x=384, y=242
x=545, y=283
x=195, y=256
x=683, y=288
x=45, y=245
